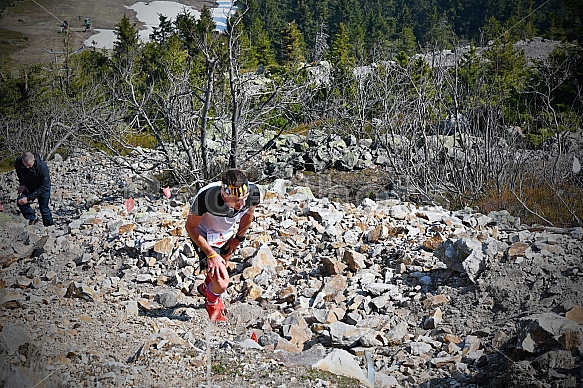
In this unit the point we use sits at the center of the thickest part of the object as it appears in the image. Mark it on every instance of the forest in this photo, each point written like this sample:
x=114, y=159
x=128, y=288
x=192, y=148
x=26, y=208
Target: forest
x=410, y=25
x=4, y=4
x=491, y=129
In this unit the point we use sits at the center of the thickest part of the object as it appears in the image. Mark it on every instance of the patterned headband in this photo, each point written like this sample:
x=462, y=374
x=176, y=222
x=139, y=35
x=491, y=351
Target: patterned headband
x=236, y=191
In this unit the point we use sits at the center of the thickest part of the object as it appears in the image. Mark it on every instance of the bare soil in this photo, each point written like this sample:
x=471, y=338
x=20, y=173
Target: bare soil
x=32, y=27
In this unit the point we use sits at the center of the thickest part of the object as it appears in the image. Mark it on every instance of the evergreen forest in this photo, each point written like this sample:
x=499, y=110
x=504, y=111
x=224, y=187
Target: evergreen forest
x=410, y=25
x=466, y=118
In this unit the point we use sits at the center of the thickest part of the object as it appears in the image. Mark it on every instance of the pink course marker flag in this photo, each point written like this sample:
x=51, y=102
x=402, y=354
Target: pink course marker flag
x=167, y=192
x=129, y=204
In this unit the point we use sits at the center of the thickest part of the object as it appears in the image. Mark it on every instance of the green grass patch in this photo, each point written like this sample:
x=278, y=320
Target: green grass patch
x=6, y=165
x=144, y=140
x=20, y=7
x=130, y=140
x=336, y=380
x=11, y=42
x=220, y=369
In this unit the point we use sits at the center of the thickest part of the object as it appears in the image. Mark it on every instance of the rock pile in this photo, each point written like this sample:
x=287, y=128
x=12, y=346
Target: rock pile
x=318, y=150
x=386, y=293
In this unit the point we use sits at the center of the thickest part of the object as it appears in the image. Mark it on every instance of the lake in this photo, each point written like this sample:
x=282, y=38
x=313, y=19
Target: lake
x=147, y=13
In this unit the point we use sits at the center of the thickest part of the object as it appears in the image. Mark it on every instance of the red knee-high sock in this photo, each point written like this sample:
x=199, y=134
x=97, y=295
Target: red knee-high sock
x=211, y=297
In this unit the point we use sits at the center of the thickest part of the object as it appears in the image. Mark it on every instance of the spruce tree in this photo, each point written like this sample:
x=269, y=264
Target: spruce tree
x=340, y=49
x=293, y=47
x=127, y=37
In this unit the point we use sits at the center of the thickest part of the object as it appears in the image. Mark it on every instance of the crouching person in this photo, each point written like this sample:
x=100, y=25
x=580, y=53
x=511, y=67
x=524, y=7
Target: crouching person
x=34, y=183
x=218, y=220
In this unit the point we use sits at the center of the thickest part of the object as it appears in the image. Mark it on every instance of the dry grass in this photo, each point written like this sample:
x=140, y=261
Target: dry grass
x=557, y=205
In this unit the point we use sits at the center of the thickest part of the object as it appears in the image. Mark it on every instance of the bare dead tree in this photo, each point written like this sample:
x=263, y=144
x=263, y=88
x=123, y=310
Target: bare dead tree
x=52, y=120
x=252, y=102
x=237, y=92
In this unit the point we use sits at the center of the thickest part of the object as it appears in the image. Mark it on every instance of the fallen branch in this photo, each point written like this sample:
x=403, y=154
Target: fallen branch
x=525, y=206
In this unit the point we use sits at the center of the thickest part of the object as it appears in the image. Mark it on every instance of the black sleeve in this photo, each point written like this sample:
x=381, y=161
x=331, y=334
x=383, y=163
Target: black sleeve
x=198, y=207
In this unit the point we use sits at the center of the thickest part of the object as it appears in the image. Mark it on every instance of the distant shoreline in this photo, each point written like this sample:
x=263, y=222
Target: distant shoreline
x=148, y=16
x=30, y=30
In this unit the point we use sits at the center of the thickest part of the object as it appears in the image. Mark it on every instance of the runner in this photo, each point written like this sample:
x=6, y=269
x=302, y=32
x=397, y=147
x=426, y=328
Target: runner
x=215, y=212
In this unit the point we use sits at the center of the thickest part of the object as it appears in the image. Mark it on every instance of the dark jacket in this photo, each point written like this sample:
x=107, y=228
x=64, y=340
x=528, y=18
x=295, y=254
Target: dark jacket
x=36, y=179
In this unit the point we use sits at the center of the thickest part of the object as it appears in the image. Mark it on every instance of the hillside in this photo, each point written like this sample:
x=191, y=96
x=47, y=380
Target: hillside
x=406, y=295
x=31, y=27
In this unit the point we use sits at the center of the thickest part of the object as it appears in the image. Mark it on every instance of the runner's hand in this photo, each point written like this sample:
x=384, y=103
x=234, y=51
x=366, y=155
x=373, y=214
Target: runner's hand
x=229, y=247
x=217, y=268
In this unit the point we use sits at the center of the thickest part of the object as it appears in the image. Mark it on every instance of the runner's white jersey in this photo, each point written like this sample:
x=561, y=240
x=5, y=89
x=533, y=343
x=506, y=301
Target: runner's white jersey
x=205, y=203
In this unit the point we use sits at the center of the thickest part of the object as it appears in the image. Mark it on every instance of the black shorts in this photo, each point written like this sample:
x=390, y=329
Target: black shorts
x=202, y=258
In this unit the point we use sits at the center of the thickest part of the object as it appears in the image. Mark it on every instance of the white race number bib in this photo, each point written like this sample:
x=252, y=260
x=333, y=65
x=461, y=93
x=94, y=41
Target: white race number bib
x=218, y=239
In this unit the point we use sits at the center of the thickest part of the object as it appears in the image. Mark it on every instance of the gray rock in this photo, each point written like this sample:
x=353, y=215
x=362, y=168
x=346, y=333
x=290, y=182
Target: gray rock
x=557, y=359
x=342, y=363
x=419, y=348
x=463, y=255
x=382, y=380
x=354, y=260
x=400, y=212
x=82, y=291
x=13, y=337
x=249, y=344
x=167, y=299
x=539, y=332
x=342, y=334
x=396, y=334
x=377, y=289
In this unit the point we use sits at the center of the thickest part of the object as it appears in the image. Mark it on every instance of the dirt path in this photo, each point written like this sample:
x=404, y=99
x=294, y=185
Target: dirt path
x=33, y=25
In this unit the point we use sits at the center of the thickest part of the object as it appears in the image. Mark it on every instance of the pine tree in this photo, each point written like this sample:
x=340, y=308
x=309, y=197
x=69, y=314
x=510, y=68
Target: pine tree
x=161, y=33
x=441, y=35
x=341, y=48
x=265, y=55
x=127, y=37
x=205, y=25
x=408, y=41
x=293, y=47
x=304, y=18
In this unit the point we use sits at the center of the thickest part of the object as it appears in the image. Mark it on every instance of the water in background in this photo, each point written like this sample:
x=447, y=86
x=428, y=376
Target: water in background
x=147, y=13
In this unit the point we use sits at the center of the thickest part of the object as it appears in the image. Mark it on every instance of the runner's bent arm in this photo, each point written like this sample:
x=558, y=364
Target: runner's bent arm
x=244, y=224
x=216, y=263
x=192, y=223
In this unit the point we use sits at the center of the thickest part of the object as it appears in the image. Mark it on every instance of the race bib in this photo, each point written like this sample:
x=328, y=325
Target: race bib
x=218, y=239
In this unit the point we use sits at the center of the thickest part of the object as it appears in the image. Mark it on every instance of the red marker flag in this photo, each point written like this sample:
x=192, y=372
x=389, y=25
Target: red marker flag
x=129, y=203
x=254, y=336
x=167, y=192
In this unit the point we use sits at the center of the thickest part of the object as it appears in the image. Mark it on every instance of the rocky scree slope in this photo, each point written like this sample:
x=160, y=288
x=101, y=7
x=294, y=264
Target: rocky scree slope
x=380, y=294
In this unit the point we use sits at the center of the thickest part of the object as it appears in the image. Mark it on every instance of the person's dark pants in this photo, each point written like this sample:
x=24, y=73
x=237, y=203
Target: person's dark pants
x=202, y=259
x=43, y=204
